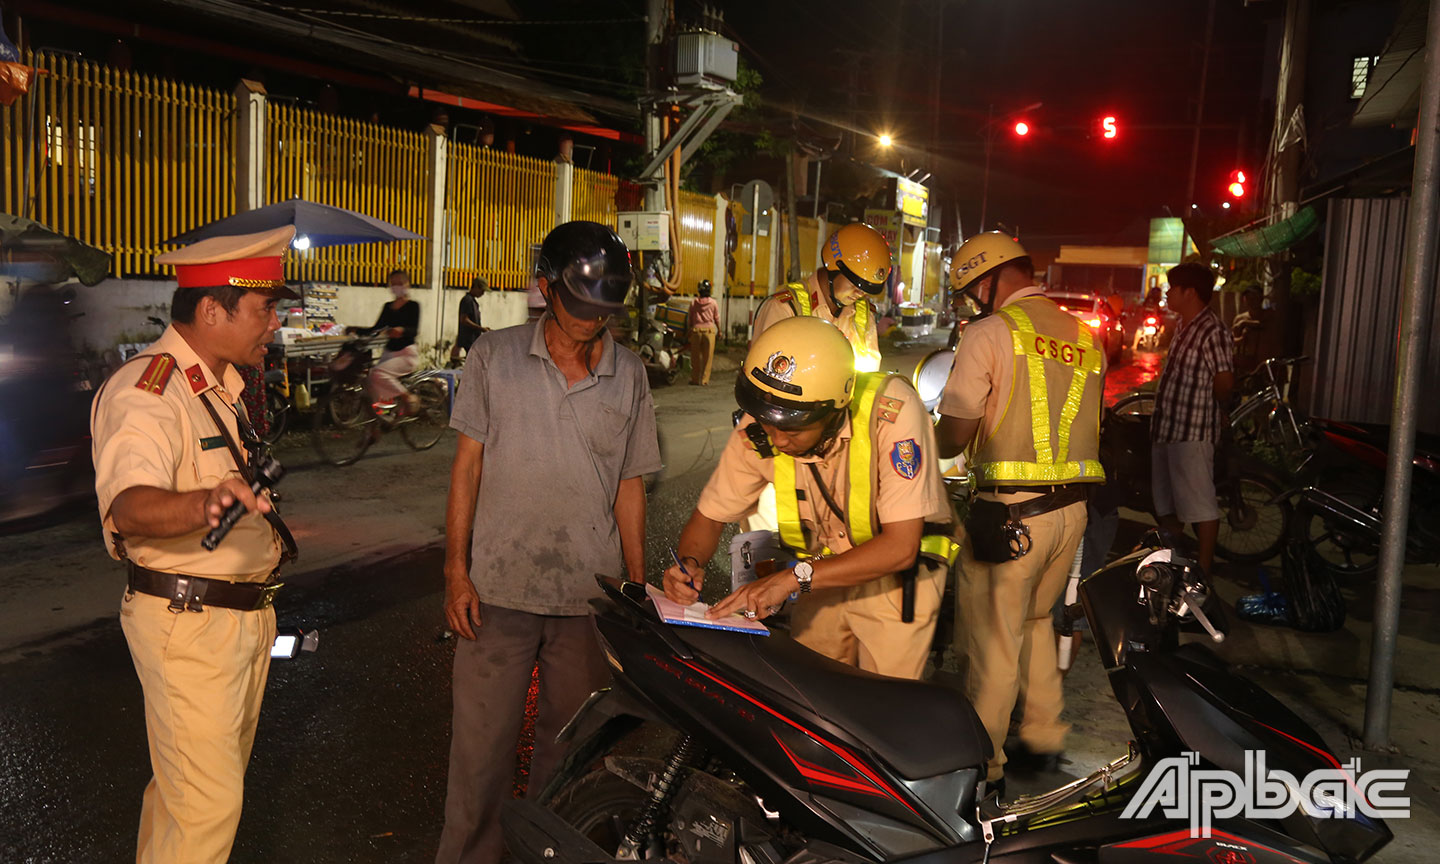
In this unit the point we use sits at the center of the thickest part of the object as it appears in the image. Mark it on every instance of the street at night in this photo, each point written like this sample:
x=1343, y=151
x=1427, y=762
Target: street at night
x=1056, y=373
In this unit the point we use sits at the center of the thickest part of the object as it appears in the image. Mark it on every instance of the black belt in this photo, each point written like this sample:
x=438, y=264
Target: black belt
x=1063, y=496
x=197, y=592
x=1011, y=490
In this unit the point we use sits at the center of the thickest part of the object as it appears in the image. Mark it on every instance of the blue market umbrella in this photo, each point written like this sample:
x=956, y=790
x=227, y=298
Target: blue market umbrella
x=321, y=224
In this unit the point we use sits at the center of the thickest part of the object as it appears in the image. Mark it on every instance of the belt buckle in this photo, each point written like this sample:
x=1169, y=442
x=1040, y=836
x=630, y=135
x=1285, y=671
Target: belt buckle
x=267, y=594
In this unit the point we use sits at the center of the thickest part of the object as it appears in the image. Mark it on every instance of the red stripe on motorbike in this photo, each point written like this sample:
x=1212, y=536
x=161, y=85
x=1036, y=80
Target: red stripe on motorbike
x=1176, y=841
x=849, y=758
x=824, y=776
x=1323, y=754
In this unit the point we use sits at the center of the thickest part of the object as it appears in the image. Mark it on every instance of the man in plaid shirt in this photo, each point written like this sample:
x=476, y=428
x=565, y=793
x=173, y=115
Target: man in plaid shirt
x=1190, y=411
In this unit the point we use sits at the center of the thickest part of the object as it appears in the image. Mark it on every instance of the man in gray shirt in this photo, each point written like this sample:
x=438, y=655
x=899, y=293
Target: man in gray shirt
x=561, y=419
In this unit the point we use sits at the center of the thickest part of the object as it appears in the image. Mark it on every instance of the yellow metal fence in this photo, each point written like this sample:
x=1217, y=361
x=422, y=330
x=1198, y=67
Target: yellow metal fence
x=697, y=239
x=809, y=258
x=497, y=206
x=116, y=159
x=372, y=169
x=764, y=276
x=593, y=197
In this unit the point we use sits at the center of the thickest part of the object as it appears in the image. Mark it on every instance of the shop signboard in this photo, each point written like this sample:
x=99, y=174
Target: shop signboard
x=912, y=200
x=888, y=223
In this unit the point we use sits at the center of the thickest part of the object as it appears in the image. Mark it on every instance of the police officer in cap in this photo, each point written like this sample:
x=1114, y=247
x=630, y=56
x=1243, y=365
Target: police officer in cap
x=863, y=513
x=1024, y=394
x=170, y=459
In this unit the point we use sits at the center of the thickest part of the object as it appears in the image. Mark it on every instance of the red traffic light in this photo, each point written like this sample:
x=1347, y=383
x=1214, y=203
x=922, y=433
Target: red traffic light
x=1236, y=187
x=1108, y=129
x=1022, y=128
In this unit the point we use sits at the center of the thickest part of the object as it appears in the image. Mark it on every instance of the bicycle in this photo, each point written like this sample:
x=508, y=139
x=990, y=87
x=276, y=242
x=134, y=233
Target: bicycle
x=347, y=421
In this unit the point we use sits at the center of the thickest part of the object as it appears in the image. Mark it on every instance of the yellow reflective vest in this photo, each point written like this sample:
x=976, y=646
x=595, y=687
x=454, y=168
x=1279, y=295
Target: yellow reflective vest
x=860, y=505
x=866, y=360
x=1039, y=447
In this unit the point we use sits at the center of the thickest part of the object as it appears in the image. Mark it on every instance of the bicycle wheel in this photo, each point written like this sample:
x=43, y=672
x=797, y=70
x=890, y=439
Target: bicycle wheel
x=277, y=416
x=1348, y=551
x=1253, y=526
x=349, y=405
x=424, y=429
x=342, y=444
x=1135, y=403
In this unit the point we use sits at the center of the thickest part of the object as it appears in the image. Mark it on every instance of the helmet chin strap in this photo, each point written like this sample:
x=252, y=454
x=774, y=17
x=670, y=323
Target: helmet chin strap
x=832, y=429
x=986, y=306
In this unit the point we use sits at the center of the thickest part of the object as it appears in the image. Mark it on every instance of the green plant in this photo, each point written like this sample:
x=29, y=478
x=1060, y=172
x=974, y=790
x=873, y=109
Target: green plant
x=1303, y=283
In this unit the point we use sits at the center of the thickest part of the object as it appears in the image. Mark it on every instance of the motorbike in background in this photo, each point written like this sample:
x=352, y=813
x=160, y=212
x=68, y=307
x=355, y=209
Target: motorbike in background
x=778, y=755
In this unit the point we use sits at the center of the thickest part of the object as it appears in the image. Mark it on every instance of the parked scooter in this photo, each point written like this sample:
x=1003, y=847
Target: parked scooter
x=782, y=756
x=662, y=349
x=1339, y=494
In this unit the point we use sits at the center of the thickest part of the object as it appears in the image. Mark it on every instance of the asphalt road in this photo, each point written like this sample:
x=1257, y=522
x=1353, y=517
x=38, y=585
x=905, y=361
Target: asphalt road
x=350, y=757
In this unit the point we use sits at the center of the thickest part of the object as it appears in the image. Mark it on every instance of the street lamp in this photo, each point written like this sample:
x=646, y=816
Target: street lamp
x=993, y=123
x=886, y=140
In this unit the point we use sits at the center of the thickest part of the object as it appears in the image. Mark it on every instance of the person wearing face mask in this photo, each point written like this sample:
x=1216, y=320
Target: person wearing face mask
x=399, y=320
x=547, y=489
x=854, y=267
x=1024, y=395
x=862, y=509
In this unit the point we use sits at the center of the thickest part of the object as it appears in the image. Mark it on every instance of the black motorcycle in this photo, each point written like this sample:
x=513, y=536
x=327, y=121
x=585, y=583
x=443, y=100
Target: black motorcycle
x=780, y=755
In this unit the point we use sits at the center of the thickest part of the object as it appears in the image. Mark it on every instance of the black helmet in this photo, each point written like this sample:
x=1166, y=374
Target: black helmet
x=588, y=267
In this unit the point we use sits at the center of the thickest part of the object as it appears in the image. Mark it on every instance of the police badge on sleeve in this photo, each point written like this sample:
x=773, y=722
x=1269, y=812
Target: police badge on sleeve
x=905, y=458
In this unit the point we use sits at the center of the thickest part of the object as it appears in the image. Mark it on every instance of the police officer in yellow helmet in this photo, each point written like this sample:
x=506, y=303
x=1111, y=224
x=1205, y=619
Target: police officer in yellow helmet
x=1024, y=396
x=864, y=519
x=854, y=267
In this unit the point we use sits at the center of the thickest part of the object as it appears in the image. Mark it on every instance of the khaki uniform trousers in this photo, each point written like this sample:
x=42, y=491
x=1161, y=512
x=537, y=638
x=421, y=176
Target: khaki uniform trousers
x=203, y=675
x=860, y=625
x=702, y=354
x=1004, y=633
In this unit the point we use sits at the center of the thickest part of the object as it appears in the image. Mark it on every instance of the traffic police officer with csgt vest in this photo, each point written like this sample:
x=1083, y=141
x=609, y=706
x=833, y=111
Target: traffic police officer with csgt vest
x=859, y=496
x=1029, y=379
x=854, y=267
x=170, y=460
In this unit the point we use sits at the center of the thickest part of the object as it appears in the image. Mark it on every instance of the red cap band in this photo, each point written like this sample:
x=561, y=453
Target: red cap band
x=266, y=272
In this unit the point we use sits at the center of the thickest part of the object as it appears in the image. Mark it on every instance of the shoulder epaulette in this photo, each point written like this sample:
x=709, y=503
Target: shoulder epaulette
x=782, y=296
x=888, y=408
x=157, y=374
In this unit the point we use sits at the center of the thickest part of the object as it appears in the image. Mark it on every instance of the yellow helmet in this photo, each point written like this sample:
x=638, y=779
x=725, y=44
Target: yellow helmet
x=860, y=254
x=981, y=254
x=798, y=371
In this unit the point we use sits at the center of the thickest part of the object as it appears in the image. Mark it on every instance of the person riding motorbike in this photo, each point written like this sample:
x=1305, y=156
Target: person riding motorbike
x=855, y=266
x=861, y=506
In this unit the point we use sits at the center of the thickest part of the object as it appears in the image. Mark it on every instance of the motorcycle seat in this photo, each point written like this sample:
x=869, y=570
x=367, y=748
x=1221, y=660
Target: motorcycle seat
x=920, y=729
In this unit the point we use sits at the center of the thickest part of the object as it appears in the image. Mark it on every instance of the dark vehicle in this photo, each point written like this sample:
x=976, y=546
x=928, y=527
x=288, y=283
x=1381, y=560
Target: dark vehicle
x=782, y=755
x=1340, y=495
x=1092, y=311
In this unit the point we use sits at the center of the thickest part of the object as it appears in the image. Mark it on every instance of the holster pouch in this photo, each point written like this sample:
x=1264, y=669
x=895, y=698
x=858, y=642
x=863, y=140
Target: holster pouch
x=996, y=536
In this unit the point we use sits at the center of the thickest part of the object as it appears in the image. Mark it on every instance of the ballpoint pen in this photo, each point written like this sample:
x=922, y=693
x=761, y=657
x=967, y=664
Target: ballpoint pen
x=676, y=557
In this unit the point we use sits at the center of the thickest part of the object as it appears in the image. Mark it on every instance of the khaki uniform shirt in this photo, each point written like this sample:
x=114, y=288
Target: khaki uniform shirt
x=906, y=486
x=153, y=430
x=777, y=307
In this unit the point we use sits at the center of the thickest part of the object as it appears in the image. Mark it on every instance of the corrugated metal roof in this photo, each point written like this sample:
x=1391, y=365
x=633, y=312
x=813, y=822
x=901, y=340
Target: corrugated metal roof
x=1392, y=92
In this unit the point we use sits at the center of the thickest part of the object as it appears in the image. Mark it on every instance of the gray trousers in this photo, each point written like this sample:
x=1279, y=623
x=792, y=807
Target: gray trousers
x=492, y=676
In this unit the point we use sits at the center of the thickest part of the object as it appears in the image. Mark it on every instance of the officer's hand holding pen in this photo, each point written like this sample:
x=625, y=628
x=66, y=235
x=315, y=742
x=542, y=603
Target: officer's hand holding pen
x=684, y=579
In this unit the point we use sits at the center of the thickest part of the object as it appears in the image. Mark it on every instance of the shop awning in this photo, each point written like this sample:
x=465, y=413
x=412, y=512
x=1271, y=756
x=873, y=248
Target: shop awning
x=1270, y=239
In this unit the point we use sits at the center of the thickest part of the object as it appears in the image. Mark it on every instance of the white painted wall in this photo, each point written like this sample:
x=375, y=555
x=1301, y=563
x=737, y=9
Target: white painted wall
x=116, y=309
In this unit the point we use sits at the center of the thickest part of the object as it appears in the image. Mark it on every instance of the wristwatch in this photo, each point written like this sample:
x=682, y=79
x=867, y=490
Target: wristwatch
x=804, y=574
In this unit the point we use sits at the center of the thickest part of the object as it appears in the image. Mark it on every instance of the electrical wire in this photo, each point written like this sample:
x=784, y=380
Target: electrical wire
x=422, y=19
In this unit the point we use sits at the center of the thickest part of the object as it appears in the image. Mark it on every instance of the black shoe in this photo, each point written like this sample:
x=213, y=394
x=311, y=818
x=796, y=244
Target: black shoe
x=1027, y=761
